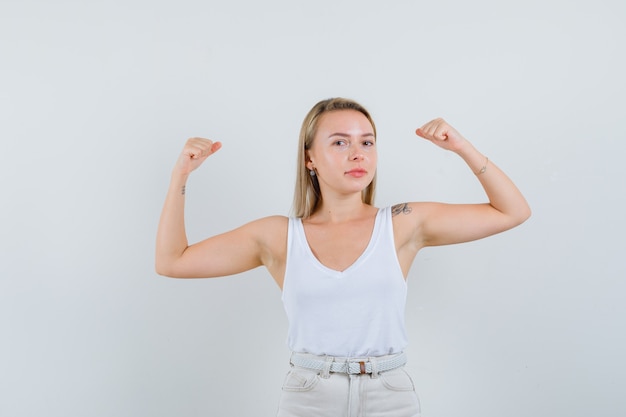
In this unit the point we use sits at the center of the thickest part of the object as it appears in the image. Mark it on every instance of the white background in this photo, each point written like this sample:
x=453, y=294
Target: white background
x=98, y=97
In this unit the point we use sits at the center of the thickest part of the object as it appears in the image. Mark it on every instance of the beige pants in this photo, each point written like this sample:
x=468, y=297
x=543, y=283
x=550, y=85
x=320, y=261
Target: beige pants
x=308, y=393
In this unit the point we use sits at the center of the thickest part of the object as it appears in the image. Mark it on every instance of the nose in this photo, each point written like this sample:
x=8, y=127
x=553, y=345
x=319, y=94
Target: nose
x=356, y=154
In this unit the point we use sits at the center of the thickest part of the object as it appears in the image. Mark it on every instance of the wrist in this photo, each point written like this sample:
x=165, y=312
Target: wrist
x=178, y=182
x=465, y=149
x=179, y=175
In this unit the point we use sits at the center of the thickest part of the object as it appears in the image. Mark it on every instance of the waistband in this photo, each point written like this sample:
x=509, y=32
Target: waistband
x=350, y=366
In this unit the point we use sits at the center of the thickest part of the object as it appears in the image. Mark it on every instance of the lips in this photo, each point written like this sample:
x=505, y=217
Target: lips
x=356, y=172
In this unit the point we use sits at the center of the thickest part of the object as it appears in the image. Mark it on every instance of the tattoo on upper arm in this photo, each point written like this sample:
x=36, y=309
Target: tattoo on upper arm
x=401, y=208
x=183, y=189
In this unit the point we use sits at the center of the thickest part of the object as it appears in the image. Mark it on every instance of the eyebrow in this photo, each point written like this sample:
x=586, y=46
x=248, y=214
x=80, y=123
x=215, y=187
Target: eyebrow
x=345, y=135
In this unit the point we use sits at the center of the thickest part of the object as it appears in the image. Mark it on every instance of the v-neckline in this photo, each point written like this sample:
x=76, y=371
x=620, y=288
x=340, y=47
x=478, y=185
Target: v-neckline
x=357, y=261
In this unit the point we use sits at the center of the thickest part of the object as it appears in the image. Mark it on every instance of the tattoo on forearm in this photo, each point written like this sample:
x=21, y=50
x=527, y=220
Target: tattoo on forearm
x=183, y=189
x=401, y=208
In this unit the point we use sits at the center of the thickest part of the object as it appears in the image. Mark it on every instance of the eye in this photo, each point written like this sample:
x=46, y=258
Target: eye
x=340, y=142
x=368, y=143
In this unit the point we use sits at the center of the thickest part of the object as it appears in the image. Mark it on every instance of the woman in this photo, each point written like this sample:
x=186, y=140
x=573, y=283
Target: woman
x=340, y=262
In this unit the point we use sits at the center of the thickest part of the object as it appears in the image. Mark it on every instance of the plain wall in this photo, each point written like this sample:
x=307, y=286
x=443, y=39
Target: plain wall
x=97, y=99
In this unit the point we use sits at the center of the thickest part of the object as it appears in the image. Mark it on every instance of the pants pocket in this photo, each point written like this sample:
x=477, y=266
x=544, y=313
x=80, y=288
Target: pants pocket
x=392, y=393
x=397, y=380
x=300, y=380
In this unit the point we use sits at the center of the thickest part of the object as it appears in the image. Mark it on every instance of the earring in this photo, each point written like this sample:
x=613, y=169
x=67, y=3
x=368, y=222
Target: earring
x=312, y=173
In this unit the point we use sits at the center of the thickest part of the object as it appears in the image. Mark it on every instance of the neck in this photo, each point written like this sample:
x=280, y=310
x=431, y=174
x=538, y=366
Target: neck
x=342, y=210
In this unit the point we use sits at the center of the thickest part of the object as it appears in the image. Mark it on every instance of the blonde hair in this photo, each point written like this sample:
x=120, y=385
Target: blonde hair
x=307, y=196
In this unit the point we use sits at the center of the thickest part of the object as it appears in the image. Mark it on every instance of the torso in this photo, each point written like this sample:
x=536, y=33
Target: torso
x=339, y=245
x=336, y=245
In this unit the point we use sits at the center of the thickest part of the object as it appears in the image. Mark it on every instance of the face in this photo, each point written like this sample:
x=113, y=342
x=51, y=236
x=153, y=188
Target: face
x=343, y=153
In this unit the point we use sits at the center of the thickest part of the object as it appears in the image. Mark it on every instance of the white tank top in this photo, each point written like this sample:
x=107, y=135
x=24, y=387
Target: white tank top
x=357, y=312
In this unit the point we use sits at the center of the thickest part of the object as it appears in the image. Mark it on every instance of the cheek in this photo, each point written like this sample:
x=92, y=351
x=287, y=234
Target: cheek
x=321, y=160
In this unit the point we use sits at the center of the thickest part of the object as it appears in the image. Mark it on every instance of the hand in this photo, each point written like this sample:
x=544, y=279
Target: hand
x=195, y=151
x=439, y=132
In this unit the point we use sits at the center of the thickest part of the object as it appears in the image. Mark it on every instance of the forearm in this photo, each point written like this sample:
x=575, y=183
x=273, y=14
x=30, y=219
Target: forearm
x=502, y=193
x=171, y=239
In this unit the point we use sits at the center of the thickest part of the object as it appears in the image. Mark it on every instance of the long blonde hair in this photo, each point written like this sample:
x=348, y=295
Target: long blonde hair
x=307, y=195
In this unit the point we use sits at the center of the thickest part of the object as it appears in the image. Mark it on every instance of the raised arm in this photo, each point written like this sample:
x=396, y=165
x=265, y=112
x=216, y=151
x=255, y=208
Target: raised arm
x=441, y=224
x=229, y=253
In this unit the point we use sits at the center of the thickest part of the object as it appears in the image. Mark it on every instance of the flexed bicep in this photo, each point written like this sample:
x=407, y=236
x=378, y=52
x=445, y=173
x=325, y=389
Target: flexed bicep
x=247, y=247
x=446, y=224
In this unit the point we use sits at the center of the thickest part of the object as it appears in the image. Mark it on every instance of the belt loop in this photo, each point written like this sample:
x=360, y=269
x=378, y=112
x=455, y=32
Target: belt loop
x=328, y=362
x=374, y=365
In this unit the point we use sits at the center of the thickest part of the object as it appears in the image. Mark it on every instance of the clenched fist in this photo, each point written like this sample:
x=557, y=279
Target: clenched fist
x=439, y=132
x=195, y=151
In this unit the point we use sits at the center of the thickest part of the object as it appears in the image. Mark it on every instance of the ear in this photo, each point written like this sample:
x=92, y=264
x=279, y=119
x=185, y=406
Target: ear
x=309, y=164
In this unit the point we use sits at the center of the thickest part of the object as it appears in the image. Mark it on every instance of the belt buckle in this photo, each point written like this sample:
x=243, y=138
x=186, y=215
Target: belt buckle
x=362, y=368
x=351, y=370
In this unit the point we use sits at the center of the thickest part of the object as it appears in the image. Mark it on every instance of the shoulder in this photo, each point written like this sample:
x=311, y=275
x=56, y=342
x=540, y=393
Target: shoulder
x=407, y=219
x=265, y=231
x=271, y=236
x=413, y=211
x=403, y=214
x=270, y=232
x=401, y=208
x=272, y=220
x=270, y=225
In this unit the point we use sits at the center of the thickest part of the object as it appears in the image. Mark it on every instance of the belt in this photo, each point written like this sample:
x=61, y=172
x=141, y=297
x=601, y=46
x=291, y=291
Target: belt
x=349, y=366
